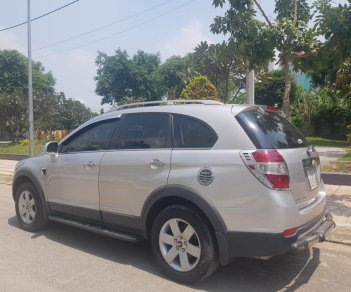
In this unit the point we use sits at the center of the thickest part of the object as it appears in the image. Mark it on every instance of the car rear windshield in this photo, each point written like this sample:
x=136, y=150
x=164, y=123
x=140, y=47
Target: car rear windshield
x=270, y=130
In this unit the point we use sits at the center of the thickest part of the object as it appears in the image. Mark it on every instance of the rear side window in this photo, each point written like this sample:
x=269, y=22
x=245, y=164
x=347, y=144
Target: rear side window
x=269, y=130
x=192, y=133
x=142, y=131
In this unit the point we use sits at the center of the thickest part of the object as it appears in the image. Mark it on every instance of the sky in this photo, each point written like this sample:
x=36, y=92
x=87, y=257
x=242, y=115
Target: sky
x=67, y=42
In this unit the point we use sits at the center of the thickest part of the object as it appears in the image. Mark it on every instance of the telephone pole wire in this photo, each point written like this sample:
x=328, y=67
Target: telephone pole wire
x=52, y=11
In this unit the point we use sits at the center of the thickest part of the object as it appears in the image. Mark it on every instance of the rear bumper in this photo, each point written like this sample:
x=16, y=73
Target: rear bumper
x=315, y=235
x=248, y=244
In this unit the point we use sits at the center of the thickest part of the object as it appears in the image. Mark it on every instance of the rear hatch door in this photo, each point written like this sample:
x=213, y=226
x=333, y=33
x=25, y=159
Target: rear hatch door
x=271, y=130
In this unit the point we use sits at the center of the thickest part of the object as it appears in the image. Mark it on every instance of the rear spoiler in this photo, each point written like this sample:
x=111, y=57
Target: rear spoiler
x=271, y=108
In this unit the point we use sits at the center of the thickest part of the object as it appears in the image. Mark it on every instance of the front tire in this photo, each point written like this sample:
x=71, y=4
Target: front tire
x=28, y=206
x=183, y=244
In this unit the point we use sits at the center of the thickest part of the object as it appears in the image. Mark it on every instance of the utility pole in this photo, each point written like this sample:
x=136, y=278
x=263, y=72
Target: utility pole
x=30, y=85
x=250, y=87
x=250, y=79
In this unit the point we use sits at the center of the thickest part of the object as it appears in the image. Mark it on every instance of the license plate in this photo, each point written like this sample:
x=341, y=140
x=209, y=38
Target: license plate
x=312, y=177
x=309, y=166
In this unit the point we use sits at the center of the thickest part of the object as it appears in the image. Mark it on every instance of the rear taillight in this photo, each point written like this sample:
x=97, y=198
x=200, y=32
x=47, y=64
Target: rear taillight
x=269, y=167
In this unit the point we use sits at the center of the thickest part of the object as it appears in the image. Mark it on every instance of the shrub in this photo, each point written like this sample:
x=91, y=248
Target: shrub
x=25, y=142
x=323, y=112
x=200, y=87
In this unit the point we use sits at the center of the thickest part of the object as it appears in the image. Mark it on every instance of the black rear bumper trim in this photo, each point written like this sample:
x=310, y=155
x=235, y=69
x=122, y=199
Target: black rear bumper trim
x=251, y=244
x=315, y=236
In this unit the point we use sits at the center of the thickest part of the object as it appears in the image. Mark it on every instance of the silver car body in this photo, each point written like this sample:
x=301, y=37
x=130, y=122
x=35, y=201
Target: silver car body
x=121, y=182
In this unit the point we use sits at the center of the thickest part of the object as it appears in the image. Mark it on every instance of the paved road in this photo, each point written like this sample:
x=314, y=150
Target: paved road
x=62, y=258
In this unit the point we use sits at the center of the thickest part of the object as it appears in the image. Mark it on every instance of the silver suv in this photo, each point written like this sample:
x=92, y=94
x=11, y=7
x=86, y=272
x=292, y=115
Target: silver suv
x=203, y=181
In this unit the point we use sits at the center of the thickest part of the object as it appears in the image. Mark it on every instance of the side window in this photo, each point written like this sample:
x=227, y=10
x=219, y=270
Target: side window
x=192, y=133
x=93, y=137
x=144, y=131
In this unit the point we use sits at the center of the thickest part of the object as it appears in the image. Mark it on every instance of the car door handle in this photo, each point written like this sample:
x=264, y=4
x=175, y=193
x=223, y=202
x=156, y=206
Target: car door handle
x=155, y=163
x=89, y=164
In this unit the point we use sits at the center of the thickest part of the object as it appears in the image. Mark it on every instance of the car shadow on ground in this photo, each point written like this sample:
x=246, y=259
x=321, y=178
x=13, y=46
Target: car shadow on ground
x=285, y=273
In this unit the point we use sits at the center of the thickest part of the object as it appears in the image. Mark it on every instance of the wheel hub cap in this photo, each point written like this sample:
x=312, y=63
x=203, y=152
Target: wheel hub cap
x=179, y=245
x=26, y=207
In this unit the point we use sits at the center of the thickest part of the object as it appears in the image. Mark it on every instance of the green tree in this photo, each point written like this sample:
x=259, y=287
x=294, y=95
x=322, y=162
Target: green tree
x=270, y=88
x=170, y=76
x=295, y=39
x=145, y=73
x=343, y=80
x=255, y=41
x=52, y=111
x=251, y=39
x=200, y=88
x=331, y=65
x=119, y=76
x=14, y=74
x=221, y=65
x=73, y=113
x=61, y=113
x=131, y=99
x=47, y=114
x=14, y=88
x=13, y=114
x=114, y=76
x=321, y=112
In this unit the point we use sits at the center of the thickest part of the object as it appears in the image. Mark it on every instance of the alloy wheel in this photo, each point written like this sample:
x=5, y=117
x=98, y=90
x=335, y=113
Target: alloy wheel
x=27, y=207
x=180, y=245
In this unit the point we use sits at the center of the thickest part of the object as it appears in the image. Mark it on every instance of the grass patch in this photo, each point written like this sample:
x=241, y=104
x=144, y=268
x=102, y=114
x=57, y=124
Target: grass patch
x=346, y=157
x=20, y=149
x=319, y=141
x=339, y=167
x=342, y=165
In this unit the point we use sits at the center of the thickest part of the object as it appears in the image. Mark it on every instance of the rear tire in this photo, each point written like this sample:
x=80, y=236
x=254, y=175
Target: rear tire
x=28, y=206
x=183, y=244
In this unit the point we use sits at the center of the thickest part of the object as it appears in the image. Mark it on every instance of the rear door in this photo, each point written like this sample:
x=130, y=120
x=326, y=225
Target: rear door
x=137, y=163
x=270, y=130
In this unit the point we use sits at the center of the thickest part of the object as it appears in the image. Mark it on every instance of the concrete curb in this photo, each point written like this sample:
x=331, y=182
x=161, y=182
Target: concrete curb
x=16, y=157
x=331, y=178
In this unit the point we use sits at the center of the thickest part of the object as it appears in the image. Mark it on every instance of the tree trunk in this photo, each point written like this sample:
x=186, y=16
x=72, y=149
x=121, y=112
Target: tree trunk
x=172, y=93
x=287, y=89
x=263, y=13
x=287, y=65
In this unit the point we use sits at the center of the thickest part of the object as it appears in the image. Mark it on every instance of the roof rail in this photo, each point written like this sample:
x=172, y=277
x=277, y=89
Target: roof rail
x=165, y=102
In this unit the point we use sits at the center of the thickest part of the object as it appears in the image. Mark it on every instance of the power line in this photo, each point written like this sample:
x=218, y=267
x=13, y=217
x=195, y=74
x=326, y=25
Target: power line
x=22, y=23
x=120, y=32
x=102, y=27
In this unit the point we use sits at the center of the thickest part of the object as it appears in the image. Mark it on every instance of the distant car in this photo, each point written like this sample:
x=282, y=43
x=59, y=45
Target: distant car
x=204, y=182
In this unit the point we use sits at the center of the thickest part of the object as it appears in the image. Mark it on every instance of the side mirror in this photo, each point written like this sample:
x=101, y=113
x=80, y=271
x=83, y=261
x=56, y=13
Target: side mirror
x=51, y=147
